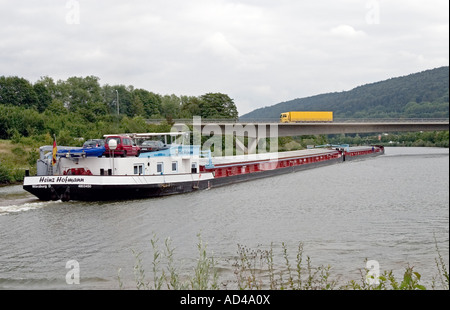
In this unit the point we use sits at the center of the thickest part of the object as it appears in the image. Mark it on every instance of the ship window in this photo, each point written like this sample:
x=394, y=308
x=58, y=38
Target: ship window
x=174, y=166
x=139, y=169
x=160, y=167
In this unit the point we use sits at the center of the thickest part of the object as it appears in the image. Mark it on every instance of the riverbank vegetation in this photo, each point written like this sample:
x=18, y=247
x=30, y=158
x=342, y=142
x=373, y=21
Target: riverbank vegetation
x=262, y=269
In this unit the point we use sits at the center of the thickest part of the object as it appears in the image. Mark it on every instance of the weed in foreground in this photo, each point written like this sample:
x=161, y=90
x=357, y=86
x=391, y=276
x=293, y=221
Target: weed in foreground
x=257, y=270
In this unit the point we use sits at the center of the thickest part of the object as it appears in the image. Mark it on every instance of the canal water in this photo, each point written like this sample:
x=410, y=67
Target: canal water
x=393, y=209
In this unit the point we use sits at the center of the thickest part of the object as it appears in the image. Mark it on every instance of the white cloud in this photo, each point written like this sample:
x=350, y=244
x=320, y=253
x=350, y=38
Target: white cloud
x=347, y=31
x=220, y=46
x=259, y=52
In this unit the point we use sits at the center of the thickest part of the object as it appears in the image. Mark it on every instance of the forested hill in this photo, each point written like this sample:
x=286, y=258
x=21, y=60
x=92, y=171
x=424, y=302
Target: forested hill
x=419, y=95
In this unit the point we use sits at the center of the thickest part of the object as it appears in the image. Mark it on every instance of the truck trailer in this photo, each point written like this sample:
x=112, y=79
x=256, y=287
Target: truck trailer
x=306, y=117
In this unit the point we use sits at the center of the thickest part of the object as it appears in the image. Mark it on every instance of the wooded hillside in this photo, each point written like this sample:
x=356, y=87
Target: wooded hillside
x=419, y=95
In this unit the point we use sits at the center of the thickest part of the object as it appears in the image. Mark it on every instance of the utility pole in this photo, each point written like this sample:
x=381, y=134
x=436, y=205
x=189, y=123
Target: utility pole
x=117, y=92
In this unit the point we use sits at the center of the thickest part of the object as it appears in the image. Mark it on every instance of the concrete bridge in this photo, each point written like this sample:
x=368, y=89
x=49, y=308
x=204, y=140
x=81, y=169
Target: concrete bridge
x=255, y=131
x=275, y=129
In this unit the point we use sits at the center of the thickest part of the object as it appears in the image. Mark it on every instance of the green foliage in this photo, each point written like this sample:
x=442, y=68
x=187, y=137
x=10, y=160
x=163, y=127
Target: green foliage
x=204, y=275
x=80, y=107
x=218, y=106
x=442, y=276
x=151, y=103
x=408, y=139
x=257, y=269
x=253, y=267
x=18, y=119
x=18, y=92
x=43, y=97
x=5, y=175
x=135, y=124
x=387, y=281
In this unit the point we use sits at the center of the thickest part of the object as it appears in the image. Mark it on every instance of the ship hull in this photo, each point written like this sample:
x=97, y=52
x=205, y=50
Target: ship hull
x=111, y=188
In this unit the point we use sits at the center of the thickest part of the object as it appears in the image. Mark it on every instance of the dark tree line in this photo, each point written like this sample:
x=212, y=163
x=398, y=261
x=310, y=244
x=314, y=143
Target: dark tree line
x=86, y=96
x=80, y=106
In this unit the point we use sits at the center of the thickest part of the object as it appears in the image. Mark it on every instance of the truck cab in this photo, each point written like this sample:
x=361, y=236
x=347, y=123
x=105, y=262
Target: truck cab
x=284, y=118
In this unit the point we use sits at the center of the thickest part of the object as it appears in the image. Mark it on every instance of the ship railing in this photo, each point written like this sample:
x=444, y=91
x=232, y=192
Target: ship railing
x=207, y=154
x=340, y=146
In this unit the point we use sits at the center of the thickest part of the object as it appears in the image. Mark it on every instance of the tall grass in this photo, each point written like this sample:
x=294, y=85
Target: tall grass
x=442, y=276
x=204, y=275
x=257, y=269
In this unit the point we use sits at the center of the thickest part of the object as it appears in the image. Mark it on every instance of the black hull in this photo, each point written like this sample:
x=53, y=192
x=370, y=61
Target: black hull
x=68, y=192
x=109, y=192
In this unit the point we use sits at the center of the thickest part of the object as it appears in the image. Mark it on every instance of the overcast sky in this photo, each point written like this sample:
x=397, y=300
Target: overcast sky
x=259, y=52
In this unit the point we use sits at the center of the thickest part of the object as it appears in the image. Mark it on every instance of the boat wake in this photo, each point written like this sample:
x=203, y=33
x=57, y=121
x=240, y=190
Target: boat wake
x=22, y=205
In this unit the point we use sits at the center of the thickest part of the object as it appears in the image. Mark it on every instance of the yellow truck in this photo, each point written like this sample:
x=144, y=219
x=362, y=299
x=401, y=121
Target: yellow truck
x=306, y=117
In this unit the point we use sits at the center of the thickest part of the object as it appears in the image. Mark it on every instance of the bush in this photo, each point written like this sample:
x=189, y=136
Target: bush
x=5, y=177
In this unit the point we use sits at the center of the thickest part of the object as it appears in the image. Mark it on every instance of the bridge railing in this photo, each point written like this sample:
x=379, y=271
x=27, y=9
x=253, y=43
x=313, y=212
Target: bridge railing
x=390, y=120
x=275, y=121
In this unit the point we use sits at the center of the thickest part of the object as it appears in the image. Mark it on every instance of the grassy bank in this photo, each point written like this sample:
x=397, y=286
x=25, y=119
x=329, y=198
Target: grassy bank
x=15, y=158
x=259, y=270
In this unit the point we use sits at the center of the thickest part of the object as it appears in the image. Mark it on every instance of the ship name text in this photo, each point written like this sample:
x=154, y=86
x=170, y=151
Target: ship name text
x=61, y=180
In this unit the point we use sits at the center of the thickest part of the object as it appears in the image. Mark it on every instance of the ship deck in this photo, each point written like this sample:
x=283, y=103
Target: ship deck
x=239, y=159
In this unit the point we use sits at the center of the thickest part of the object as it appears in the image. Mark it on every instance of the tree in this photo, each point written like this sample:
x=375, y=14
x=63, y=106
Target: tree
x=218, y=105
x=17, y=92
x=190, y=106
x=21, y=120
x=151, y=102
x=44, y=99
x=110, y=95
x=125, y=99
x=137, y=106
x=56, y=107
x=50, y=85
x=170, y=106
x=81, y=92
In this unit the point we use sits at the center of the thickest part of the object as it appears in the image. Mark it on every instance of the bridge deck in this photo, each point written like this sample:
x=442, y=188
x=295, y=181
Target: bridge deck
x=298, y=129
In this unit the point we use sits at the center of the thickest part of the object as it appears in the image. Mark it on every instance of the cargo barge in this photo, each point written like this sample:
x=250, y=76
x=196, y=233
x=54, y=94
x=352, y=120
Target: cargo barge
x=178, y=169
